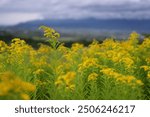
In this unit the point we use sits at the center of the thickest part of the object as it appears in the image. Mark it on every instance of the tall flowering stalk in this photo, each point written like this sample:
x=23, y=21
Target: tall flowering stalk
x=52, y=36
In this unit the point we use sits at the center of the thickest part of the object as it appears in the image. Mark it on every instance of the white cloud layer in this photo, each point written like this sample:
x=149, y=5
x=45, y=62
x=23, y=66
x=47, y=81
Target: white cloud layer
x=15, y=11
x=15, y=18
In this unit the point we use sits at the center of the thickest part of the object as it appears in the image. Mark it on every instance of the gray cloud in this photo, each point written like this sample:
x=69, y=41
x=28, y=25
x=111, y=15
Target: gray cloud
x=24, y=10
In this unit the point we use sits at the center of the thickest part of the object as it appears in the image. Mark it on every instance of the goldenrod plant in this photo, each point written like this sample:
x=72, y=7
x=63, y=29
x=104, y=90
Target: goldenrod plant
x=52, y=36
x=114, y=70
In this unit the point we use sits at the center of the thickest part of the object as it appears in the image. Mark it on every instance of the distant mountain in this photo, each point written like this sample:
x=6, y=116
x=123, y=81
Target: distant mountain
x=110, y=24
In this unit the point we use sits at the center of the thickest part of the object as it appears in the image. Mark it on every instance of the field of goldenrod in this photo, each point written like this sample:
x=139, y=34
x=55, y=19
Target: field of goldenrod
x=110, y=70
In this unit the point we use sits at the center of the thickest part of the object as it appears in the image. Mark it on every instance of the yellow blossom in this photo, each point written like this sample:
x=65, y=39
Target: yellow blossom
x=69, y=77
x=148, y=75
x=92, y=76
x=10, y=84
x=70, y=87
x=24, y=96
x=146, y=68
x=58, y=82
x=38, y=72
x=139, y=82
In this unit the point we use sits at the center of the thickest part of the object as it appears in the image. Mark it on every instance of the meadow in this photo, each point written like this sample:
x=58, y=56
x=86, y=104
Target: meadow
x=111, y=70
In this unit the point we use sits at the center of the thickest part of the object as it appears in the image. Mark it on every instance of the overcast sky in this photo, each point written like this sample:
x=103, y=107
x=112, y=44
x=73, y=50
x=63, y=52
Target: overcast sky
x=16, y=11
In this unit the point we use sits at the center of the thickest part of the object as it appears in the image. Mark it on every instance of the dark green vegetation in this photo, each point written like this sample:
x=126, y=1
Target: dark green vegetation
x=34, y=38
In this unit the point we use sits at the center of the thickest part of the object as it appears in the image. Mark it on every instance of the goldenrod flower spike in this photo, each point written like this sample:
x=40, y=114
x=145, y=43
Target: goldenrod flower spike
x=52, y=35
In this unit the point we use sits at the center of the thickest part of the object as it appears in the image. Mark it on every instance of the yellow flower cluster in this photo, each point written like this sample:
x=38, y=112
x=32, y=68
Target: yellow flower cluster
x=50, y=32
x=13, y=87
x=87, y=63
x=146, y=69
x=92, y=77
x=111, y=73
x=3, y=46
x=66, y=80
x=16, y=50
x=38, y=72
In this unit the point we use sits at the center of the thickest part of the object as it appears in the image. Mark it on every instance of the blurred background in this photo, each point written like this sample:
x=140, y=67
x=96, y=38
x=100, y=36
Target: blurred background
x=75, y=20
